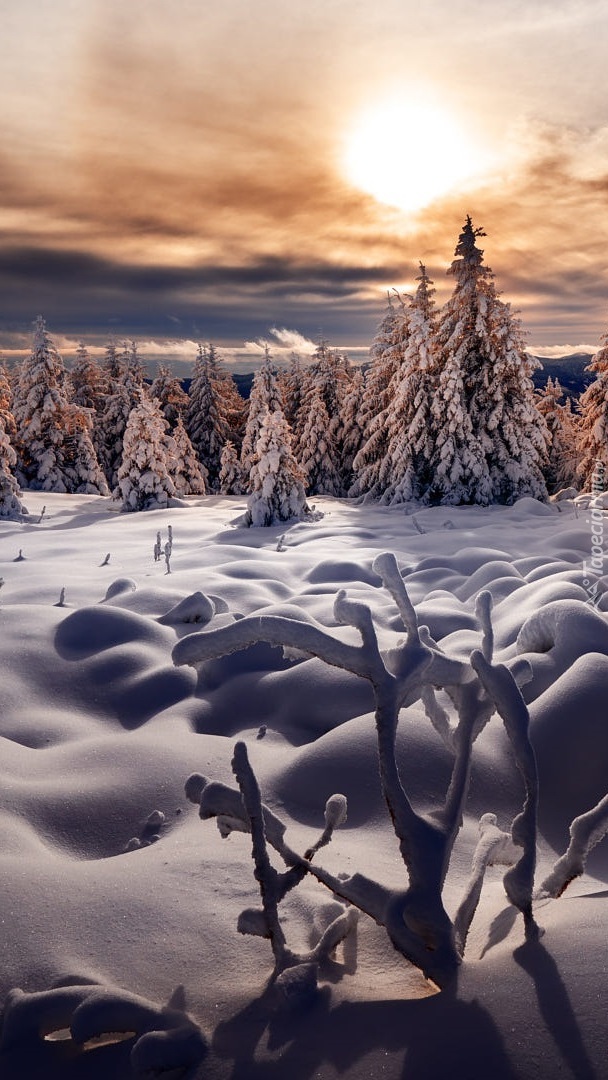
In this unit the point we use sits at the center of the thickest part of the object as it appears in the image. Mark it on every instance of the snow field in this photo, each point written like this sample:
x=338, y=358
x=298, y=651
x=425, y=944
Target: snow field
x=99, y=730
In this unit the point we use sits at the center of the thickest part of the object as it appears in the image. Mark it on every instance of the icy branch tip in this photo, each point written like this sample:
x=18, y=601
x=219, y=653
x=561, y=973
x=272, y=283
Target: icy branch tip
x=335, y=811
x=194, y=787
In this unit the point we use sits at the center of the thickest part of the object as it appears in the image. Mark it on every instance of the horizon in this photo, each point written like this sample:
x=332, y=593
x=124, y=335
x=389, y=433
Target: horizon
x=180, y=356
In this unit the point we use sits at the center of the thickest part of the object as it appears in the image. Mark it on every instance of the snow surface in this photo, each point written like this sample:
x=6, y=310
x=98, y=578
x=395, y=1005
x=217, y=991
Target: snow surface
x=119, y=906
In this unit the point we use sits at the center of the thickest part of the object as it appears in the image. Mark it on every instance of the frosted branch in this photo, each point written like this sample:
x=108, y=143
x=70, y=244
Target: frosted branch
x=585, y=832
x=265, y=874
x=438, y=716
x=483, y=610
x=385, y=566
x=351, y=613
x=274, y=630
x=494, y=846
x=502, y=688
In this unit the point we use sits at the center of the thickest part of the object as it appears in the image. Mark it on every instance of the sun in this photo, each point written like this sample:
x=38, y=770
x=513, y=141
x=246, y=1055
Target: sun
x=407, y=154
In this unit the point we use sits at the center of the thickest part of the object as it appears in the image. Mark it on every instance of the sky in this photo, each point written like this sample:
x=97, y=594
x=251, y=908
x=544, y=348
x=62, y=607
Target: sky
x=175, y=171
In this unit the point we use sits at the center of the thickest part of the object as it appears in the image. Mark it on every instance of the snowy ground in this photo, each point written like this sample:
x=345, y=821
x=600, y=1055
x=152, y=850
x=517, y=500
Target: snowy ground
x=99, y=730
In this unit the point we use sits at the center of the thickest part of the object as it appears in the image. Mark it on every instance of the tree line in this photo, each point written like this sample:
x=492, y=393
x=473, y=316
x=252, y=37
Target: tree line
x=445, y=413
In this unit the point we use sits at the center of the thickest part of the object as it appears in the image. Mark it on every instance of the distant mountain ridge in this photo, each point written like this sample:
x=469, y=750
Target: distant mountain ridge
x=570, y=370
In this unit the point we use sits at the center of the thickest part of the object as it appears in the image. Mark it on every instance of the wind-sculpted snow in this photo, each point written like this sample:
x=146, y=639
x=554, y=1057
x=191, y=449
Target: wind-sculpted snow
x=99, y=730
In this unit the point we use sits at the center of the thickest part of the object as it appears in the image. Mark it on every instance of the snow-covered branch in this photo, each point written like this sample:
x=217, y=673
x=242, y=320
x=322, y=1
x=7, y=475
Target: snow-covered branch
x=494, y=846
x=585, y=832
x=503, y=690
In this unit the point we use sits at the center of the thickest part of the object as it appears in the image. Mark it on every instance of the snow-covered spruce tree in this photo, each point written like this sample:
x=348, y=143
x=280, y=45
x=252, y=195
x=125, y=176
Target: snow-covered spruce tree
x=84, y=475
x=124, y=393
x=185, y=468
x=111, y=364
x=231, y=481
x=275, y=480
x=564, y=433
x=131, y=367
x=208, y=416
x=6, y=406
x=10, y=503
x=144, y=480
x=291, y=383
x=386, y=355
x=265, y=397
x=317, y=453
x=332, y=374
x=404, y=475
x=41, y=412
x=89, y=381
x=171, y=396
x=490, y=440
x=351, y=435
x=593, y=406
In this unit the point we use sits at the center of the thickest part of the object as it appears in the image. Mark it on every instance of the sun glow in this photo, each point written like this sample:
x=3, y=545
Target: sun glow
x=407, y=154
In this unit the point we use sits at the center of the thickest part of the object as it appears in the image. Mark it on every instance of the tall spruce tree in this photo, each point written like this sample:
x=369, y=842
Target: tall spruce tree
x=6, y=406
x=125, y=391
x=209, y=413
x=170, y=394
x=46, y=422
x=386, y=355
x=265, y=397
x=89, y=381
x=317, y=450
x=405, y=473
x=10, y=503
x=351, y=428
x=564, y=436
x=593, y=405
x=490, y=440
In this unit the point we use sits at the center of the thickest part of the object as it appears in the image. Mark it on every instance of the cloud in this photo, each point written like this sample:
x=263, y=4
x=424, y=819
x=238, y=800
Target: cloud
x=279, y=342
x=556, y=352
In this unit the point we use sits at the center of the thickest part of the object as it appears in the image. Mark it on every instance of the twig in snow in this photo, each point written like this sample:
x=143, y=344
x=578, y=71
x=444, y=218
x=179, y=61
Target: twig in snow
x=585, y=832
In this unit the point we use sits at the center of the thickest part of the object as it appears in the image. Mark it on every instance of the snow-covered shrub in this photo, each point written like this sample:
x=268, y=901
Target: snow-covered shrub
x=414, y=917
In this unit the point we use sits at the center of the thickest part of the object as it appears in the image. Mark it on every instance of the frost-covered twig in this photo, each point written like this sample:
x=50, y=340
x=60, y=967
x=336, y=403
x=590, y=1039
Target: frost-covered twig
x=168, y=557
x=585, y=832
x=494, y=846
x=244, y=811
x=265, y=874
x=483, y=611
x=502, y=688
x=106, y=561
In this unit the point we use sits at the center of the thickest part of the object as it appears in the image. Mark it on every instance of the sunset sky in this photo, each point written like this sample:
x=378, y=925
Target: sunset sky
x=173, y=169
